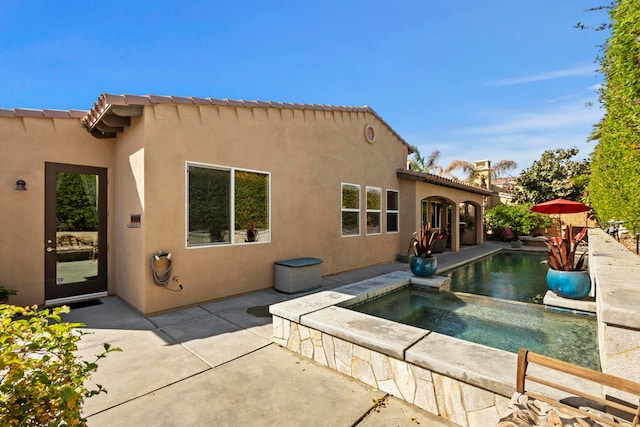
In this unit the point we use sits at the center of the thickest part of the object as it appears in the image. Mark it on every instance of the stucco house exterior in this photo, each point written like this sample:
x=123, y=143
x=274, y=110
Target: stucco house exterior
x=226, y=187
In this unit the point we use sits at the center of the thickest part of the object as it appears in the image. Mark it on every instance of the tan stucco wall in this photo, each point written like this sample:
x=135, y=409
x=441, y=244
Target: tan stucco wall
x=309, y=153
x=26, y=143
x=130, y=262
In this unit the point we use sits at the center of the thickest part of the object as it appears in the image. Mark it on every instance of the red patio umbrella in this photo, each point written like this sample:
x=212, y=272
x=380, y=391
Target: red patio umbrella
x=560, y=206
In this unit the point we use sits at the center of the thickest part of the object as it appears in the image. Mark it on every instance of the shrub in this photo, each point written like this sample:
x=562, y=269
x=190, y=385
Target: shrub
x=517, y=217
x=5, y=293
x=42, y=381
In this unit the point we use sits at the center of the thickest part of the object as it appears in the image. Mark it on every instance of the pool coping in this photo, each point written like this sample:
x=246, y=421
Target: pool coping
x=479, y=365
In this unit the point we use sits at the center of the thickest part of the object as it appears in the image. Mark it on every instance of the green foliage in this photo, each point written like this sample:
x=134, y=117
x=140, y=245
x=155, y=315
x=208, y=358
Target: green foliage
x=425, y=164
x=76, y=208
x=209, y=201
x=477, y=176
x=350, y=197
x=42, y=381
x=519, y=218
x=251, y=200
x=555, y=175
x=374, y=199
x=5, y=293
x=615, y=182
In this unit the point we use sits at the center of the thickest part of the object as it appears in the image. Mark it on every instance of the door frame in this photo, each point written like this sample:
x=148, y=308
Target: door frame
x=71, y=292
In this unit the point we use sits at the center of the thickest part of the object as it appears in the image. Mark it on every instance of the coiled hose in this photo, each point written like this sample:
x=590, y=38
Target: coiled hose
x=161, y=267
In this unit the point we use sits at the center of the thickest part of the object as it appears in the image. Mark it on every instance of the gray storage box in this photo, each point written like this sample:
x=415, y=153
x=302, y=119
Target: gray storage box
x=297, y=275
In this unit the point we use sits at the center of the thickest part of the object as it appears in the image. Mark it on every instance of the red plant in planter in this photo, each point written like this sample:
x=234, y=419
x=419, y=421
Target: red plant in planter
x=562, y=251
x=421, y=245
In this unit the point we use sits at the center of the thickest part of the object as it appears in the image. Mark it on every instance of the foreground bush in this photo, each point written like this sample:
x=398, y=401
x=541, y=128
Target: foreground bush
x=42, y=381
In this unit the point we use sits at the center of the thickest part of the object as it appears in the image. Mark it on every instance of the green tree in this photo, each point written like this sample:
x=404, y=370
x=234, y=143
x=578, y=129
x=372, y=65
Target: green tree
x=519, y=218
x=251, y=200
x=425, y=164
x=474, y=175
x=555, y=175
x=614, y=187
x=76, y=208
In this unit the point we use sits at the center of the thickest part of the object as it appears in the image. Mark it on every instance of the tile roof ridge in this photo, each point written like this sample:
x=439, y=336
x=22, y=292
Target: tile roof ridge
x=105, y=100
x=128, y=99
x=42, y=113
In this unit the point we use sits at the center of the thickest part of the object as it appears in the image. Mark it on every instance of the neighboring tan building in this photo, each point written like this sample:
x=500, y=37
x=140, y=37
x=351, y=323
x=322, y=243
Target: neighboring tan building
x=227, y=187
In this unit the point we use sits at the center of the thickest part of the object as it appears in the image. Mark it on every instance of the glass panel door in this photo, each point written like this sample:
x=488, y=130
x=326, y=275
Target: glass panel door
x=75, y=231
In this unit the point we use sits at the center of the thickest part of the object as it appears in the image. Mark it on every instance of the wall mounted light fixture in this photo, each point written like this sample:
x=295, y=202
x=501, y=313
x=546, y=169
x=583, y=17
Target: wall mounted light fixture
x=21, y=185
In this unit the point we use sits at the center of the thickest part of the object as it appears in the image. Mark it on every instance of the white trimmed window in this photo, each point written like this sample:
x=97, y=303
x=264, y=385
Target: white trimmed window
x=393, y=211
x=227, y=205
x=350, y=210
x=374, y=210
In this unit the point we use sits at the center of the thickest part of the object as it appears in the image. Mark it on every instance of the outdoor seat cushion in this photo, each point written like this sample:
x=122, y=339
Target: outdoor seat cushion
x=299, y=262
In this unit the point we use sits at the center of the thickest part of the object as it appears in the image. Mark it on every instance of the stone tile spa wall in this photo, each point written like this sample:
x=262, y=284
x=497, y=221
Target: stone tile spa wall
x=455, y=400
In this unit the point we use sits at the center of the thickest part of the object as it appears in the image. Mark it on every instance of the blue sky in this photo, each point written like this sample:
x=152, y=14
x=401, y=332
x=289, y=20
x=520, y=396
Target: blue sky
x=503, y=79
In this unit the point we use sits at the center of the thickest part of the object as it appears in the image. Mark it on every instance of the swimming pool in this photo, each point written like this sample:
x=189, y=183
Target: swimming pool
x=498, y=323
x=508, y=275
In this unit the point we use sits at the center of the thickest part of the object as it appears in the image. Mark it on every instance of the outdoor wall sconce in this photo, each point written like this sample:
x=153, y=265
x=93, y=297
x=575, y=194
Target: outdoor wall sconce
x=21, y=185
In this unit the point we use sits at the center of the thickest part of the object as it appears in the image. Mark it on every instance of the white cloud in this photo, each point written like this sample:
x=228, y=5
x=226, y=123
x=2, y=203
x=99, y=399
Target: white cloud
x=565, y=116
x=551, y=75
x=521, y=137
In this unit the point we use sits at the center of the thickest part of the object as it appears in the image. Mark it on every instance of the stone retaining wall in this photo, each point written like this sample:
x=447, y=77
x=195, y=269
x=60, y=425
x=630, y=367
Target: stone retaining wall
x=615, y=272
x=460, y=402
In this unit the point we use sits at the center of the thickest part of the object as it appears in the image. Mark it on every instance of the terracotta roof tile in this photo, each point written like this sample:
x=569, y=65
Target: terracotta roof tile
x=25, y=112
x=45, y=113
x=182, y=100
x=155, y=99
x=107, y=98
x=215, y=101
x=201, y=101
x=234, y=103
x=137, y=100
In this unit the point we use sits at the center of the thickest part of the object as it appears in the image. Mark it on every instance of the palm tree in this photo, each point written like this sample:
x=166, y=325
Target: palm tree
x=596, y=132
x=474, y=174
x=421, y=164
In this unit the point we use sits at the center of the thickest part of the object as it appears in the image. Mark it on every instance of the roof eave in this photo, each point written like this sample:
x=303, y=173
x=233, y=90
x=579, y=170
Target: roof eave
x=441, y=181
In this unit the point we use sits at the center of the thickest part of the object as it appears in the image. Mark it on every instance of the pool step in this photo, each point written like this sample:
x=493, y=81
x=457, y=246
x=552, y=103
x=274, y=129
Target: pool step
x=586, y=305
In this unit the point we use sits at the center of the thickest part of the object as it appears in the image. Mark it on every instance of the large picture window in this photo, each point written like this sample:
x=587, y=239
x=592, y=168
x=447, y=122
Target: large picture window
x=374, y=210
x=393, y=208
x=227, y=206
x=350, y=210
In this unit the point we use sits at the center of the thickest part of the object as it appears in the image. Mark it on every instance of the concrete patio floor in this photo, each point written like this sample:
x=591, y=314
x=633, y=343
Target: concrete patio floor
x=216, y=364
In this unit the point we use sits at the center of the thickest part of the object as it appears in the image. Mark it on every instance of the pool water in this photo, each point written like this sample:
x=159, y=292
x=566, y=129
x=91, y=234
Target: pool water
x=514, y=276
x=502, y=324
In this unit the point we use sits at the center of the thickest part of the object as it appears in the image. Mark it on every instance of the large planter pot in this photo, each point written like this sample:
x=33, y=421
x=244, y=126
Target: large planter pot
x=423, y=267
x=569, y=284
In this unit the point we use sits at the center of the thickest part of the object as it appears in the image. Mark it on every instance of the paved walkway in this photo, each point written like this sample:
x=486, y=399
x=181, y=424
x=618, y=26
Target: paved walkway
x=216, y=364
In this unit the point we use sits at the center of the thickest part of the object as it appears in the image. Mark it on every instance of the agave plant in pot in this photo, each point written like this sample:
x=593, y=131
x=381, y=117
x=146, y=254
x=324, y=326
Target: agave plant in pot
x=422, y=261
x=566, y=276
